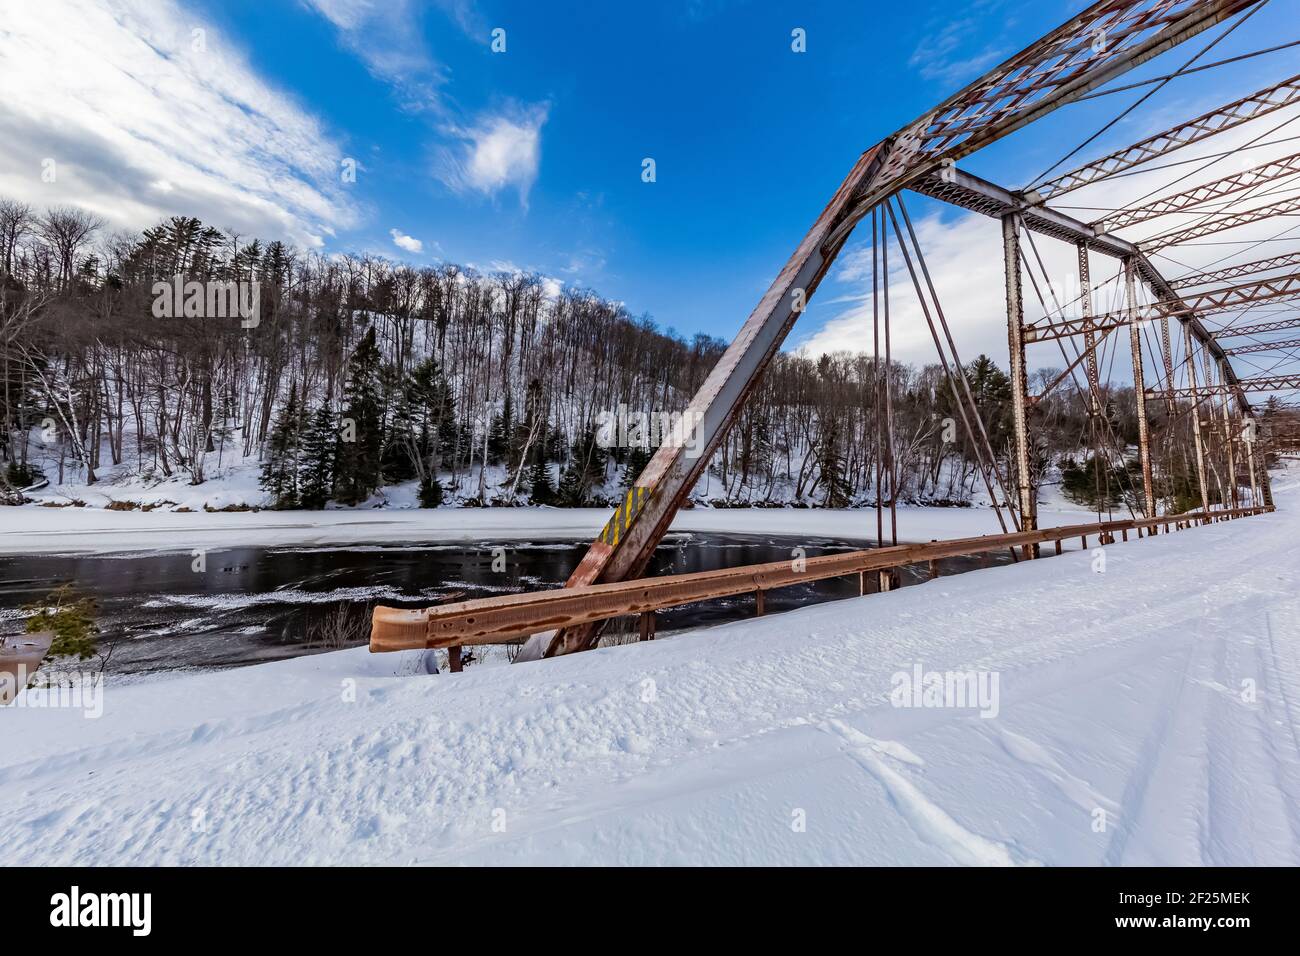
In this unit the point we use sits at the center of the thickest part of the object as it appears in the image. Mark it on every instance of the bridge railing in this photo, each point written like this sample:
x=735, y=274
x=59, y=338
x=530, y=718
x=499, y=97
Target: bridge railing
x=506, y=618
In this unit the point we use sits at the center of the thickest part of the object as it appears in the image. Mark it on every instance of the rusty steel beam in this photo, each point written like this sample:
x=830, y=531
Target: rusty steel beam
x=1229, y=440
x=1285, y=207
x=956, y=187
x=1139, y=389
x=1205, y=303
x=510, y=617
x=960, y=188
x=1234, y=296
x=1251, y=464
x=1055, y=70
x=1279, y=326
x=1198, y=436
x=1090, y=342
x=1188, y=199
x=1224, y=118
x=1264, y=347
x=1026, y=494
x=1237, y=271
x=1260, y=383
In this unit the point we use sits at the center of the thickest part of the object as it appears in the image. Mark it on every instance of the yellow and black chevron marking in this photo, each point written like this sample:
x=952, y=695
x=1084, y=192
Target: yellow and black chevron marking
x=624, y=514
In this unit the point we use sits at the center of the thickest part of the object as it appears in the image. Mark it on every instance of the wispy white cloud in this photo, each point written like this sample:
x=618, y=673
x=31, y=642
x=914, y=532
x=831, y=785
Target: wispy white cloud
x=388, y=37
x=586, y=262
x=465, y=14
x=143, y=117
x=951, y=53
x=403, y=241
x=498, y=151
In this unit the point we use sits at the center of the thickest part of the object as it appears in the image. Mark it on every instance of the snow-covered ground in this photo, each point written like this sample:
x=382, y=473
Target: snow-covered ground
x=1146, y=713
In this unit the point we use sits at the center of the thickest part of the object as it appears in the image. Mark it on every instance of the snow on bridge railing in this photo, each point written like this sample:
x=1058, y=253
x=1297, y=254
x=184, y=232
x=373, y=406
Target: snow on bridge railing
x=512, y=617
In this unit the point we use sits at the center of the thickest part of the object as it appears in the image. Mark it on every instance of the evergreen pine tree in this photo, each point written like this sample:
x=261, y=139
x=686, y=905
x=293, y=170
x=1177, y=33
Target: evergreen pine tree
x=356, y=456
x=316, y=472
x=447, y=431
x=430, y=492
x=500, y=434
x=586, y=468
x=433, y=408
x=396, y=461
x=498, y=440
x=991, y=389
x=637, y=459
x=538, y=476
x=570, y=492
x=830, y=462
x=280, y=470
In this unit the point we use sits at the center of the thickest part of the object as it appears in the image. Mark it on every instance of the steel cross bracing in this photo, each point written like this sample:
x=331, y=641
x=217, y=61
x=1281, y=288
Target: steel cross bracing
x=1188, y=199
x=1262, y=383
x=1259, y=328
x=1105, y=40
x=959, y=188
x=1057, y=69
x=1241, y=111
x=1264, y=347
x=1237, y=271
x=1205, y=303
x=1221, y=224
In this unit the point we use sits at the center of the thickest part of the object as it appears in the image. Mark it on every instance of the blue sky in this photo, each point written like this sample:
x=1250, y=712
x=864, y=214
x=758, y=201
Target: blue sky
x=748, y=137
x=532, y=158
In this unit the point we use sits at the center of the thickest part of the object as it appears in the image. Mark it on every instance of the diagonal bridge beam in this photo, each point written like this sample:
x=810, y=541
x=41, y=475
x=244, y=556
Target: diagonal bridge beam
x=1222, y=223
x=1220, y=300
x=1264, y=347
x=1281, y=325
x=1268, y=100
x=1236, y=272
x=1263, y=383
x=1189, y=199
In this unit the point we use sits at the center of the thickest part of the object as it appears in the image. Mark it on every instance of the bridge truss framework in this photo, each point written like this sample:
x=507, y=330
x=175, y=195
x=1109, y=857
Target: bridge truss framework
x=1103, y=42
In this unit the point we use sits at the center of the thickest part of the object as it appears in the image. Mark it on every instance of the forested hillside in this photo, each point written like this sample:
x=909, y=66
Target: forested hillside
x=362, y=374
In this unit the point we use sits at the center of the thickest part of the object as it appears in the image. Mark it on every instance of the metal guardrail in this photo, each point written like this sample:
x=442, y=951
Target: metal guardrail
x=506, y=618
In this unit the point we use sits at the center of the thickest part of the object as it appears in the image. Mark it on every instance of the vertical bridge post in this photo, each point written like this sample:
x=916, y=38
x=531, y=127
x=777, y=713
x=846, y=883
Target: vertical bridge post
x=1139, y=387
x=1230, y=440
x=1026, y=500
x=1196, y=423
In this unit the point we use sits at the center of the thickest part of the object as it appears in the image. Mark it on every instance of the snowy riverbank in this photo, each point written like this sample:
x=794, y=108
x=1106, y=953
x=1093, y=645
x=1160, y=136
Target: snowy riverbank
x=1147, y=714
x=31, y=530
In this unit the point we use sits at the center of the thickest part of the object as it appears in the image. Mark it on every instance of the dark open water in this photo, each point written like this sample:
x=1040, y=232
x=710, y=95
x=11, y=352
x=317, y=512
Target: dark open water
x=257, y=604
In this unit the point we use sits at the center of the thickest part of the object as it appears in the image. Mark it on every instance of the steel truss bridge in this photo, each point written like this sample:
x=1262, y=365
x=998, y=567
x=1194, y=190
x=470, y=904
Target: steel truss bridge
x=1181, y=369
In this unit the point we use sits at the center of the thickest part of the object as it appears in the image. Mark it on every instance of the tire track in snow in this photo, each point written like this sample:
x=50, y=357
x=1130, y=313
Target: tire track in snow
x=1284, y=668
x=927, y=819
x=1035, y=755
x=1148, y=757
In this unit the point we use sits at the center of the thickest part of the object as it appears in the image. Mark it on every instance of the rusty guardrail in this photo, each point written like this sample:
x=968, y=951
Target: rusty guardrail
x=505, y=618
